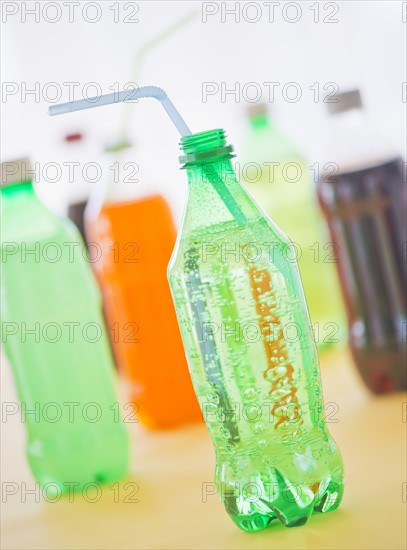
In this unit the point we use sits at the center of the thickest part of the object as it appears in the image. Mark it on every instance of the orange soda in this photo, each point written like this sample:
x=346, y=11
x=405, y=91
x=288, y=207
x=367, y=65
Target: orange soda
x=136, y=239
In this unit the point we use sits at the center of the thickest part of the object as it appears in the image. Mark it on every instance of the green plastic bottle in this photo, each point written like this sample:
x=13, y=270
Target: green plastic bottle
x=250, y=349
x=56, y=342
x=280, y=181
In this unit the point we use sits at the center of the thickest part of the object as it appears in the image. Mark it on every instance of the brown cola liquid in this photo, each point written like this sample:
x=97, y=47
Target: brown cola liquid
x=366, y=214
x=76, y=212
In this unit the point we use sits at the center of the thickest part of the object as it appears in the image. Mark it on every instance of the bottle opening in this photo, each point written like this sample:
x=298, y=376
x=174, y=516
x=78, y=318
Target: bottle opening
x=205, y=147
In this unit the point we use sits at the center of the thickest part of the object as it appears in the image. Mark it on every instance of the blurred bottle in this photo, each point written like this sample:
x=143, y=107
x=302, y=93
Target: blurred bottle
x=56, y=343
x=363, y=196
x=78, y=187
x=136, y=232
x=279, y=179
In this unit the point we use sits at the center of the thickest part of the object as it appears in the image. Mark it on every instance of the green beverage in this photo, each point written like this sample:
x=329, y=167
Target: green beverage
x=56, y=343
x=251, y=353
x=280, y=181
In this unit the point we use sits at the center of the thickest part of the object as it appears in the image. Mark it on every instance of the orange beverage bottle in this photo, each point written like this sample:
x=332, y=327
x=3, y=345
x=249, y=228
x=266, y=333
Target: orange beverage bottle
x=135, y=239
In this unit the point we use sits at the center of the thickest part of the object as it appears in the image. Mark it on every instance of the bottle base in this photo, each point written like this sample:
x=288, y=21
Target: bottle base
x=291, y=507
x=61, y=468
x=383, y=370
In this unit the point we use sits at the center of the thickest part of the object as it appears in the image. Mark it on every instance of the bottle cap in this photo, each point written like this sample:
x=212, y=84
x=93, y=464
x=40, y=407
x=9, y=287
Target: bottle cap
x=345, y=101
x=16, y=171
x=257, y=109
x=74, y=136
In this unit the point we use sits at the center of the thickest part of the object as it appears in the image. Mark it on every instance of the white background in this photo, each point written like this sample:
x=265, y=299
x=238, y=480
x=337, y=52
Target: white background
x=366, y=49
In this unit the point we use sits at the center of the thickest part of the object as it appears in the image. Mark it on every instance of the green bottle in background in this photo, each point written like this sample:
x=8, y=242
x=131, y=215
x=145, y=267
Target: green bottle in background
x=280, y=181
x=251, y=353
x=56, y=342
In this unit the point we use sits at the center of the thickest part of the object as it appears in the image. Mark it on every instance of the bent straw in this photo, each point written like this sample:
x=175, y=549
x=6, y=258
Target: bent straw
x=156, y=93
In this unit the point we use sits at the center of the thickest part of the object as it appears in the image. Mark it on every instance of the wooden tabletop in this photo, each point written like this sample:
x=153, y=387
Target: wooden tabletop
x=160, y=504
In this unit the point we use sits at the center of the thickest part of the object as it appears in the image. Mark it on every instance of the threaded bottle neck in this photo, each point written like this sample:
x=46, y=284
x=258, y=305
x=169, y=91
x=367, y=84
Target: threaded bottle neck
x=204, y=147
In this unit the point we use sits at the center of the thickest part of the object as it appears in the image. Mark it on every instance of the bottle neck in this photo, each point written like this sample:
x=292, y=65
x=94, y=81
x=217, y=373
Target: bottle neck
x=216, y=197
x=125, y=181
x=17, y=192
x=352, y=141
x=352, y=117
x=24, y=217
x=260, y=121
